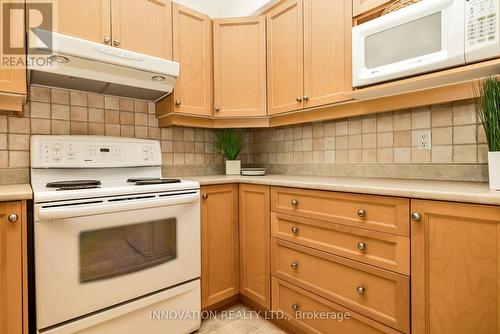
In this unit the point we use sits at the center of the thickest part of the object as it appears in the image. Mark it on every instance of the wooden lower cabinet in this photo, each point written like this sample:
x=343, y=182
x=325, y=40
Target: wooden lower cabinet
x=299, y=306
x=219, y=244
x=379, y=294
x=255, y=244
x=455, y=268
x=13, y=268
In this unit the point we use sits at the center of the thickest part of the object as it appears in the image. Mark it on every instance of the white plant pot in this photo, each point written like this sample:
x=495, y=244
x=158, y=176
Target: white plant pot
x=233, y=167
x=494, y=170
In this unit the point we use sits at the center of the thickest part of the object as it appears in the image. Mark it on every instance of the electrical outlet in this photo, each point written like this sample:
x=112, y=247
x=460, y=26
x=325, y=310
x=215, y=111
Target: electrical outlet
x=424, y=140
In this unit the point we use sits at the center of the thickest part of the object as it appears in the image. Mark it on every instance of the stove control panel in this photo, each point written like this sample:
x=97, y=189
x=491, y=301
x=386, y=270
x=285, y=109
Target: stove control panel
x=93, y=151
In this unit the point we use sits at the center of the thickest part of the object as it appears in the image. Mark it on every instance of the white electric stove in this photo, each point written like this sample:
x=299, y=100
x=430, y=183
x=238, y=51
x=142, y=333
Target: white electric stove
x=115, y=243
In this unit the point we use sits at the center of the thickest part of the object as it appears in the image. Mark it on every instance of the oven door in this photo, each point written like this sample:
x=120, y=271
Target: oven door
x=93, y=255
x=422, y=37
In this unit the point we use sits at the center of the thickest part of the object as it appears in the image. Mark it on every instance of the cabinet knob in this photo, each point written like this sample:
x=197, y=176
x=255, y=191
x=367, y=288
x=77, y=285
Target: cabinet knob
x=205, y=196
x=361, y=213
x=107, y=40
x=361, y=246
x=299, y=99
x=294, y=203
x=295, y=307
x=416, y=217
x=294, y=265
x=217, y=109
x=295, y=230
x=306, y=98
x=361, y=290
x=177, y=102
x=116, y=42
x=13, y=218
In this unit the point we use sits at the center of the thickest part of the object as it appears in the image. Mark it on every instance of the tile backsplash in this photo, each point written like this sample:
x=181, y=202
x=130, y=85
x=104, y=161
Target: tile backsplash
x=64, y=112
x=381, y=145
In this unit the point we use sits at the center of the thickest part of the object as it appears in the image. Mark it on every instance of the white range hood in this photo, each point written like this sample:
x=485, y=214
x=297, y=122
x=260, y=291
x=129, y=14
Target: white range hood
x=88, y=66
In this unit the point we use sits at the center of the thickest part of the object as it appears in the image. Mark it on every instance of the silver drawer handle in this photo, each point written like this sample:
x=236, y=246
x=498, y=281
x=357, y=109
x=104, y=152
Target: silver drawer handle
x=361, y=213
x=294, y=265
x=361, y=246
x=361, y=290
x=13, y=218
x=295, y=230
x=295, y=307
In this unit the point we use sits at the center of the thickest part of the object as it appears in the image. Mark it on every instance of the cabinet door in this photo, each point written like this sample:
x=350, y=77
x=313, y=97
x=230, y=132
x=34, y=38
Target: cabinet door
x=89, y=19
x=11, y=270
x=255, y=244
x=327, y=55
x=143, y=26
x=285, y=57
x=219, y=244
x=193, y=50
x=240, y=67
x=455, y=268
x=12, y=80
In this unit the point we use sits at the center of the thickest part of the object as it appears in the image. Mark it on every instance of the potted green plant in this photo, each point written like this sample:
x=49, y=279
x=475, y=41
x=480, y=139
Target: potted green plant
x=231, y=142
x=488, y=108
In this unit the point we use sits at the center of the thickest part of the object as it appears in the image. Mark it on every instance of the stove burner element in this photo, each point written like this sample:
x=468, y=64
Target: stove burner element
x=156, y=181
x=76, y=187
x=136, y=179
x=74, y=184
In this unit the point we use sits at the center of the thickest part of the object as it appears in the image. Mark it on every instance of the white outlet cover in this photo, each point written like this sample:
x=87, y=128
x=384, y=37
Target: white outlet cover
x=424, y=140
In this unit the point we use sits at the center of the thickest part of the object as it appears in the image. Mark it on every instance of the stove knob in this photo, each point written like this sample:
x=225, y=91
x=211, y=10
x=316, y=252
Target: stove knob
x=56, y=147
x=70, y=152
x=56, y=156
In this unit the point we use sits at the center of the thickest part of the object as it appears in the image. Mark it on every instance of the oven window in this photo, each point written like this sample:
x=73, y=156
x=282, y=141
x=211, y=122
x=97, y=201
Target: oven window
x=413, y=39
x=120, y=250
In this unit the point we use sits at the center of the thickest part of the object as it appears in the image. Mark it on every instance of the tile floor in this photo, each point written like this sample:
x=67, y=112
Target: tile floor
x=238, y=320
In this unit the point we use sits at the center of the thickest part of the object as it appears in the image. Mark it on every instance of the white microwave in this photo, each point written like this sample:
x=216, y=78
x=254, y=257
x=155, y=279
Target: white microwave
x=423, y=37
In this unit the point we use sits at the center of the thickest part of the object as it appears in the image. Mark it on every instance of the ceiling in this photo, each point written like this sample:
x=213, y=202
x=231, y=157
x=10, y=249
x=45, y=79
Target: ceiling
x=227, y=8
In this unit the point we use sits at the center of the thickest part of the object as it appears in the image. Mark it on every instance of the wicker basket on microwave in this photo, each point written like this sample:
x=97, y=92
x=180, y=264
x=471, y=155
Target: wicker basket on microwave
x=397, y=5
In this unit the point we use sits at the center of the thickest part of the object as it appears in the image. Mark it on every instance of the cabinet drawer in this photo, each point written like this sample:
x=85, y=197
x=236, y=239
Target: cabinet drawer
x=376, y=293
x=378, y=213
x=287, y=296
x=383, y=250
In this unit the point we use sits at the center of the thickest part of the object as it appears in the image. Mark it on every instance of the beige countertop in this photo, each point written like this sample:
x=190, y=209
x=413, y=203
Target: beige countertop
x=15, y=192
x=471, y=192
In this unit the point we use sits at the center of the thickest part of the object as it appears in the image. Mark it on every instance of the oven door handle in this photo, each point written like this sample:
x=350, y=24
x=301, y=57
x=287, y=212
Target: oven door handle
x=79, y=210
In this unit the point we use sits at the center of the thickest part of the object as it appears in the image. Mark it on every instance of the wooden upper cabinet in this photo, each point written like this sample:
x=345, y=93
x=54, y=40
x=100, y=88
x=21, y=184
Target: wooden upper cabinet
x=327, y=51
x=285, y=57
x=12, y=80
x=254, y=213
x=362, y=6
x=455, y=268
x=192, y=37
x=240, y=67
x=11, y=269
x=219, y=242
x=89, y=19
x=144, y=26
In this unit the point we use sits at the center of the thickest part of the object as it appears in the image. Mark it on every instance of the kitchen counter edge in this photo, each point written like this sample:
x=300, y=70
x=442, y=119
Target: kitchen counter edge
x=15, y=192
x=454, y=191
